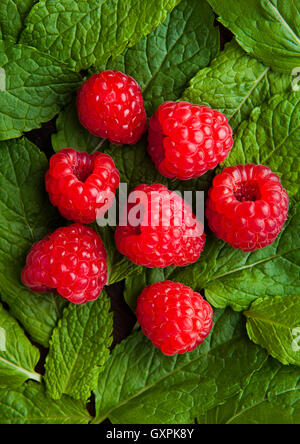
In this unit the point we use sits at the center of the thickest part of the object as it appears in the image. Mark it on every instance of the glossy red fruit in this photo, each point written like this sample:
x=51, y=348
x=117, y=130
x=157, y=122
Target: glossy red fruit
x=82, y=186
x=72, y=260
x=166, y=232
x=110, y=105
x=185, y=140
x=247, y=206
x=174, y=317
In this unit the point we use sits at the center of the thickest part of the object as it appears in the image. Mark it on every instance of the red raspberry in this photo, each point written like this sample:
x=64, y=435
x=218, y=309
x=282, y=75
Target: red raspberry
x=174, y=317
x=187, y=140
x=71, y=260
x=82, y=186
x=166, y=234
x=110, y=105
x=247, y=206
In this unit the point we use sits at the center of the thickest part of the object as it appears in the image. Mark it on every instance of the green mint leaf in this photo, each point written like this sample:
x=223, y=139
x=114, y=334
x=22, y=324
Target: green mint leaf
x=135, y=165
x=268, y=30
x=271, y=396
x=274, y=323
x=34, y=87
x=18, y=357
x=140, y=385
x=122, y=268
x=86, y=32
x=12, y=15
x=134, y=285
x=232, y=277
x=119, y=267
x=271, y=137
x=235, y=83
x=26, y=216
x=166, y=59
x=30, y=405
x=71, y=134
x=79, y=348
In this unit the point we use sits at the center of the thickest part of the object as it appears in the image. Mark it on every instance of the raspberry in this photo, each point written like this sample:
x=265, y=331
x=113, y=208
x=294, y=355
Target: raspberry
x=71, y=260
x=166, y=234
x=82, y=186
x=247, y=206
x=110, y=105
x=185, y=140
x=174, y=317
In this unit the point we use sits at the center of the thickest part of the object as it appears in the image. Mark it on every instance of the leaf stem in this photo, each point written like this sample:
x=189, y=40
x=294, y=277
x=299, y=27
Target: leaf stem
x=99, y=146
x=31, y=375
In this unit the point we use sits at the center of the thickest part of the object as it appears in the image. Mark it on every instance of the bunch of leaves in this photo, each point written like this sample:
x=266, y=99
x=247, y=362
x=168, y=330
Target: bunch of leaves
x=247, y=371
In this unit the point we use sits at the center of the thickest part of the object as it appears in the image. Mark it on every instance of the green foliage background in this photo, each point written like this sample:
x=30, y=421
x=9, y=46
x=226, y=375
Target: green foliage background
x=247, y=371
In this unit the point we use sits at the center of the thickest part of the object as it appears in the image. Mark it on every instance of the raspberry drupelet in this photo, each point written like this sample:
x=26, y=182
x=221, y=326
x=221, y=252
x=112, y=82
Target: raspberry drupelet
x=185, y=140
x=174, y=317
x=247, y=206
x=82, y=186
x=72, y=260
x=110, y=105
x=167, y=233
